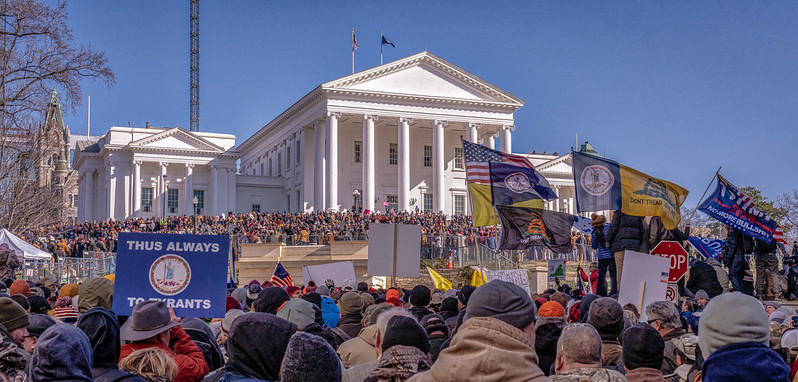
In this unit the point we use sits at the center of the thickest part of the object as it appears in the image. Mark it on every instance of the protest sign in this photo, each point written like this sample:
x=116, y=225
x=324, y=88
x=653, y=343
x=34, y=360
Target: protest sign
x=515, y=276
x=645, y=280
x=187, y=272
x=556, y=269
x=337, y=272
x=394, y=250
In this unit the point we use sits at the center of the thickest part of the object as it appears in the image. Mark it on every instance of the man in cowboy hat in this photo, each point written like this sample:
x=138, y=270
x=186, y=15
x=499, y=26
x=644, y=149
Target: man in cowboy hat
x=151, y=325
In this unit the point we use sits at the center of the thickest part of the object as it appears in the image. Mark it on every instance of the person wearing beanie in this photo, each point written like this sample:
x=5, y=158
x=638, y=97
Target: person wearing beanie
x=438, y=333
x=19, y=287
x=231, y=303
x=606, y=315
x=297, y=311
x=368, y=299
x=14, y=318
x=269, y=300
x=734, y=330
x=38, y=304
x=38, y=324
x=309, y=358
x=642, y=353
x=240, y=294
x=311, y=287
x=323, y=290
x=362, y=287
x=420, y=298
x=404, y=349
x=351, y=306
x=361, y=349
x=448, y=308
x=579, y=357
x=294, y=291
x=548, y=327
x=22, y=301
x=64, y=310
x=495, y=342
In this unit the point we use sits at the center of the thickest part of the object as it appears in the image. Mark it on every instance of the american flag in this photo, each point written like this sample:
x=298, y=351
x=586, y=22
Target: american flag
x=354, y=40
x=281, y=276
x=478, y=156
x=778, y=235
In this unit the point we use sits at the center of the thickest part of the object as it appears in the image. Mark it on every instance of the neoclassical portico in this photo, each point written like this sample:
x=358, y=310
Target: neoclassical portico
x=387, y=137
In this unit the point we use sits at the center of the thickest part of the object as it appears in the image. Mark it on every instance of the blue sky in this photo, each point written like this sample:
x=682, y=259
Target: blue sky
x=672, y=88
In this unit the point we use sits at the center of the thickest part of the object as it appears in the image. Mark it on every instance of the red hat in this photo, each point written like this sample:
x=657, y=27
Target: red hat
x=395, y=302
x=291, y=289
x=551, y=309
x=231, y=303
x=19, y=287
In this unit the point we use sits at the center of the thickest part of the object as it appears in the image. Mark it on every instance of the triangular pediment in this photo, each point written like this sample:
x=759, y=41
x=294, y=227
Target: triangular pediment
x=424, y=75
x=560, y=164
x=176, y=139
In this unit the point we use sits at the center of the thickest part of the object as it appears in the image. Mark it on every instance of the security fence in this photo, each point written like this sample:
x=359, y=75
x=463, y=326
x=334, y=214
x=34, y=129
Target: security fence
x=72, y=269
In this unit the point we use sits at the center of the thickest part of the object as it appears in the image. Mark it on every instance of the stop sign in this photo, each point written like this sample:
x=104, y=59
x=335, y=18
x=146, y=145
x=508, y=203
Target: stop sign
x=678, y=256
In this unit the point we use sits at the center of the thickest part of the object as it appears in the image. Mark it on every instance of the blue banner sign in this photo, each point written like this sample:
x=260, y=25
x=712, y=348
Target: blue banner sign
x=187, y=272
x=708, y=247
x=733, y=208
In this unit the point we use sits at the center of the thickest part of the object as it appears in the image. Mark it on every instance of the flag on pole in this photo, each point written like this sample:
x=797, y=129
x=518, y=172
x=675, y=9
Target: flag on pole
x=477, y=278
x=385, y=41
x=479, y=160
x=354, y=40
x=525, y=227
x=603, y=184
x=734, y=208
x=281, y=276
x=440, y=282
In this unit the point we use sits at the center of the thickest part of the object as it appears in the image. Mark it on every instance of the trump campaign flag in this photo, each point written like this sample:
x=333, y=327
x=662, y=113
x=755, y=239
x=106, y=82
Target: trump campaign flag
x=708, y=247
x=603, y=184
x=732, y=207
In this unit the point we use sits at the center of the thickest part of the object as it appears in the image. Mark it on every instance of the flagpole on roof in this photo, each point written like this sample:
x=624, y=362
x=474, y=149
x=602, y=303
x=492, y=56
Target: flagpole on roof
x=381, y=44
x=353, y=50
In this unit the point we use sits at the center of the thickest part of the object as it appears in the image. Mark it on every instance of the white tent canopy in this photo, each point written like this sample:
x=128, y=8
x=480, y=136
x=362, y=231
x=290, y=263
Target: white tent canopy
x=20, y=246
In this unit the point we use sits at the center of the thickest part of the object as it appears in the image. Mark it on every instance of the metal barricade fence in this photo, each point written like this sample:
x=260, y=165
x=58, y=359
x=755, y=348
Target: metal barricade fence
x=72, y=269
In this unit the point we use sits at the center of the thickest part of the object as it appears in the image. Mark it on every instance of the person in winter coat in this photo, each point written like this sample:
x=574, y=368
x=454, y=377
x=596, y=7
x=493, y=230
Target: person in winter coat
x=579, y=357
x=642, y=354
x=494, y=343
x=349, y=325
x=94, y=292
x=255, y=348
x=606, y=315
x=767, y=269
x=736, y=345
x=102, y=329
x=404, y=349
x=360, y=372
x=360, y=350
x=548, y=327
x=664, y=317
x=13, y=359
x=658, y=233
x=151, y=364
x=606, y=260
x=737, y=246
x=626, y=232
x=63, y=353
x=309, y=358
x=438, y=333
x=151, y=326
x=723, y=276
x=420, y=298
x=703, y=277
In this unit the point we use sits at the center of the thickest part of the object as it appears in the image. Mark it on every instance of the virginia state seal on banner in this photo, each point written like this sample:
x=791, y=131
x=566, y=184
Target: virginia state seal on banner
x=596, y=180
x=170, y=275
x=518, y=182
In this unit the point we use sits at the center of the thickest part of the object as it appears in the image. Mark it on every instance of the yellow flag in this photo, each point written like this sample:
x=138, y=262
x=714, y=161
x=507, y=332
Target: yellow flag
x=477, y=278
x=643, y=195
x=440, y=282
x=482, y=205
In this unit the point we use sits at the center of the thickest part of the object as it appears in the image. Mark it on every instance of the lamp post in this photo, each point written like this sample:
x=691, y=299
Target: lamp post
x=195, y=201
x=355, y=195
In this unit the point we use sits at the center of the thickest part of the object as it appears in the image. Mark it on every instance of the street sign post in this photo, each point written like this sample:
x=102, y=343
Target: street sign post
x=677, y=255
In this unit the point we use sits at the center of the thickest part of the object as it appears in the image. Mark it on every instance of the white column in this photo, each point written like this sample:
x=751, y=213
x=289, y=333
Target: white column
x=490, y=141
x=404, y=163
x=188, y=203
x=91, y=199
x=472, y=131
x=506, y=138
x=332, y=161
x=437, y=165
x=368, y=161
x=112, y=174
x=213, y=207
x=136, y=188
x=557, y=201
x=318, y=166
x=162, y=190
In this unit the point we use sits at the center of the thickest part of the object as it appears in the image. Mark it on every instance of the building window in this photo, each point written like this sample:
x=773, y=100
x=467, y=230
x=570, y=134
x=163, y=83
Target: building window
x=261, y=169
x=288, y=202
x=358, y=151
x=393, y=202
x=279, y=164
x=426, y=201
x=393, y=153
x=270, y=167
x=459, y=204
x=146, y=199
x=298, y=203
x=427, y=156
x=256, y=208
x=200, y=195
x=458, y=159
x=288, y=157
x=71, y=157
x=172, y=197
x=298, y=156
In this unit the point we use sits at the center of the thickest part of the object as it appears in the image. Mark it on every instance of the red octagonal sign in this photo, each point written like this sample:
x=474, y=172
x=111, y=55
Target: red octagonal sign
x=678, y=256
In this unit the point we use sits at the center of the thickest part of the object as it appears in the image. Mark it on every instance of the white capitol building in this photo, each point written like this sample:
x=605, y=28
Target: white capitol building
x=387, y=137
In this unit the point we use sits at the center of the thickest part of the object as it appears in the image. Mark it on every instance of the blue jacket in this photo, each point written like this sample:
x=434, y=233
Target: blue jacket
x=330, y=311
x=747, y=361
x=603, y=253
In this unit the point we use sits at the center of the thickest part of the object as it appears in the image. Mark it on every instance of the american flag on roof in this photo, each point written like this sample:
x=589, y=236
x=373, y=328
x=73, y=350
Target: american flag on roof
x=281, y=276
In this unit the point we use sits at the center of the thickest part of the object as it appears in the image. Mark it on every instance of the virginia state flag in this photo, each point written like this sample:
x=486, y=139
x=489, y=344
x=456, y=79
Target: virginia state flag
x=602, y=184
x=511, y=185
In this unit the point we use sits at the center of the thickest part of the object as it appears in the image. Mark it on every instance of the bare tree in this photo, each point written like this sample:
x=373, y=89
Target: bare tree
x=37, y=54
x=788, y=203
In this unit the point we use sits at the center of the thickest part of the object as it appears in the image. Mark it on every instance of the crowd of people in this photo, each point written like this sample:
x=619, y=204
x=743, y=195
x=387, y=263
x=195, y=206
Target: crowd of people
x=289, y=228
x=354, y=332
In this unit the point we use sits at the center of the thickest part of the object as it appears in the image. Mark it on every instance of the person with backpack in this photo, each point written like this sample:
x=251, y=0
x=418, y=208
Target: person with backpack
x=606, y=260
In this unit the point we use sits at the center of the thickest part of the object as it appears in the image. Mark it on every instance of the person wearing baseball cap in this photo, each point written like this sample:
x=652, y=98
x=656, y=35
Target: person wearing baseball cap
x=496, y=342
x=151, y=325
